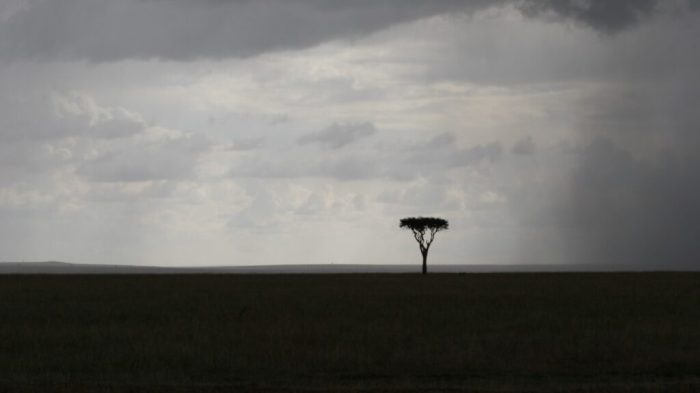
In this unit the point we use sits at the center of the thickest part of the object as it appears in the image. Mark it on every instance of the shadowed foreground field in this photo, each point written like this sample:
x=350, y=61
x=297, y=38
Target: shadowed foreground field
x=594, y=332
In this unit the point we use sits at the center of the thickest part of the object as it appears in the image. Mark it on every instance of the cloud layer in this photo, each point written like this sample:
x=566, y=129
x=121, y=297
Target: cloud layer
x=174, y=131
x=336, y=136
x=188, y=30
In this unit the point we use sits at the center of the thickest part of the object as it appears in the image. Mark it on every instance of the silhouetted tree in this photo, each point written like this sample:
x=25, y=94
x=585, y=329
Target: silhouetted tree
x=424, y=230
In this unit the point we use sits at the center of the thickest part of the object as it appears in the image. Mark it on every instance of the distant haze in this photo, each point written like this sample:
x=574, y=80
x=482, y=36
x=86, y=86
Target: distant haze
x=72, y=268
x=198, y=133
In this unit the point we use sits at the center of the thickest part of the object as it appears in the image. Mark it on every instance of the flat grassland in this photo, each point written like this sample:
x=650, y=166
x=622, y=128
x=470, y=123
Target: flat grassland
x=548, y=332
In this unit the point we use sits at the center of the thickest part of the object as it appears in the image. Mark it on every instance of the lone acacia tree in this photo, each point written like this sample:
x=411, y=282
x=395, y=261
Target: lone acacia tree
x=424, y=230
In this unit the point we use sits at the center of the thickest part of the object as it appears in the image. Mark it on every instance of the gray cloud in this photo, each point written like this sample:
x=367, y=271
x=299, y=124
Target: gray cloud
x=633, y=191
x=45, y=134
x=54, y=131
x=524, y=147
x=349, y=167
x=426, y=197
x=245, y=144
x=337, y=135
x=636, y=211
x=264, y=211
x=159, y=159
x=183, y=30
x=564, y=55
x=140, y=164
x=56, y=116
x=473, y=155
x=602, y=15
x=396, y=163
x=446, y=139
x=441, y=152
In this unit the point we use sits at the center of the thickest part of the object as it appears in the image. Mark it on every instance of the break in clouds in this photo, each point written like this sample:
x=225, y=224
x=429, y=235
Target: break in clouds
x=179, y=132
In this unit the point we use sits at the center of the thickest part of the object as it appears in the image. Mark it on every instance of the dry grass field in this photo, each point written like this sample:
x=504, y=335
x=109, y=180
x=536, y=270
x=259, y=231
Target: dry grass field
x=548, y=332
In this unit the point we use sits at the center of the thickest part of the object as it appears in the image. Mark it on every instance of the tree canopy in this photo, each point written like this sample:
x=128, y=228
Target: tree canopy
x=420, y=226
x=423, y=223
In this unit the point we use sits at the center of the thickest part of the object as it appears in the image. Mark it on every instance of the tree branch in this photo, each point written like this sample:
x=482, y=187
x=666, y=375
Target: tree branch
x=420, y=239
x=433, y=231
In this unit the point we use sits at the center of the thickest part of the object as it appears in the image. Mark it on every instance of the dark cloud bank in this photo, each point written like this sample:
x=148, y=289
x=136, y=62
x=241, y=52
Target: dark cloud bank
x=633, y=196
x=635, y=191
x=189, y=29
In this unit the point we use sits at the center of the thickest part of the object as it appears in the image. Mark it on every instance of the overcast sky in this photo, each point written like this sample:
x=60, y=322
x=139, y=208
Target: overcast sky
x=184, y=132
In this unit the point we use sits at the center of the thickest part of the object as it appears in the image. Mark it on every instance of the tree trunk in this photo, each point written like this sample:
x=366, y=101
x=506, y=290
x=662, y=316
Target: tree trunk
x=425, y=262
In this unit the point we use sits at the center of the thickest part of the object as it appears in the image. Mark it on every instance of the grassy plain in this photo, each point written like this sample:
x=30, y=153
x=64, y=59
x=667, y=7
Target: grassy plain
x=588, y=332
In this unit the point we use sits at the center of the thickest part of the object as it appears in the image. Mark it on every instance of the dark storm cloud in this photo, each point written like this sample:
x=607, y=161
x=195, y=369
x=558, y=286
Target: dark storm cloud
x=101, y=30
x=184, y=30
x=637, y=211
x=634, y=189
x=602, y=15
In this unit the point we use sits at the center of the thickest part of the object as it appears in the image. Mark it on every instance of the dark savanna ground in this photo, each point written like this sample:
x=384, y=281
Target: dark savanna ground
x=476, y=332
